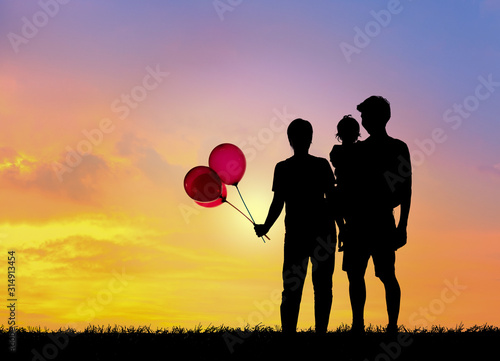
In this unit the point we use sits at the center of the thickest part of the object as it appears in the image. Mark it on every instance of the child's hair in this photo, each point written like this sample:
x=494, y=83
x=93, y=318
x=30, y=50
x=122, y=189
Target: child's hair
x=348, y=129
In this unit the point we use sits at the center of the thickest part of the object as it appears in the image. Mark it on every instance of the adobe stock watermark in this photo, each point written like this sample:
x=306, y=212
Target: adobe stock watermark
x=460, y=111
x=264, y=309
x=31, y=25
x=12, y=298
x=256, y=143
x=92, y=305
x=449, y=294
x=251, y=147
x=223, y=6
x=363, y=36
x=122, y=106
x=454, y=117
x=392, y=350
x=324, y=250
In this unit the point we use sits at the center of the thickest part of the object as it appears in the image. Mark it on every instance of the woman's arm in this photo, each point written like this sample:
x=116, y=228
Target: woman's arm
x=273, y=214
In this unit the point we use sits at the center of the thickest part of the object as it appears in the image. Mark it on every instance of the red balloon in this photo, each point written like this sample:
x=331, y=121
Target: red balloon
x=203, y=184
x=229, y=162
x=217, y=202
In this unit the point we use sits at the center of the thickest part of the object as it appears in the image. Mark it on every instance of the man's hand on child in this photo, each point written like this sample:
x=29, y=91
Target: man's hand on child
x=401, y=237
x=341, y=238
x=341, y=246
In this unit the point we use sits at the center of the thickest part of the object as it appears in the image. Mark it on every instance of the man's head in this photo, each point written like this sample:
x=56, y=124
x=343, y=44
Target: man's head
x=300, y=134
x=375, y=113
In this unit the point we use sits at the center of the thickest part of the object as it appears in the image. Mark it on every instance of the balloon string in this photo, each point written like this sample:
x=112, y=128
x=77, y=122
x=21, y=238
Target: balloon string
x=244, y=202
x=250, y=214
x=244, y=215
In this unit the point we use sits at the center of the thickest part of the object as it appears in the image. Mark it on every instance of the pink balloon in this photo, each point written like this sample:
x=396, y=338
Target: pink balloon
x=229, y=162
x=217, y=202
x=203, y=184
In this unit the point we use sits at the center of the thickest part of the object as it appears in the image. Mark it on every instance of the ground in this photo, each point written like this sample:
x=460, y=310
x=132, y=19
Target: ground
x=251, y=343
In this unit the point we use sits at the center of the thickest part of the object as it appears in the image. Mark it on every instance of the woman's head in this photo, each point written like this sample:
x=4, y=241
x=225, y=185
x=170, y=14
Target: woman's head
x=300, y=134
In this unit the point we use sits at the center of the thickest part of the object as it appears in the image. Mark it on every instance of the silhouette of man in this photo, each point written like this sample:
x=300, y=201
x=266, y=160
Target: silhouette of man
x=383, y=181
x=305, y=185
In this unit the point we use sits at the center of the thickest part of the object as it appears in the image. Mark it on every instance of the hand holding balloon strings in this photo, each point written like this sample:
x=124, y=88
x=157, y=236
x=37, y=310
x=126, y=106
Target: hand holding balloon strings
x=205, y=187
x=229, y=162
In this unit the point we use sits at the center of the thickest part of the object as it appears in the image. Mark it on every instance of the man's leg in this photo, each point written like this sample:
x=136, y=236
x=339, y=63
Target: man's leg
x=323, y=264
x=393, y=300
x=384, y=262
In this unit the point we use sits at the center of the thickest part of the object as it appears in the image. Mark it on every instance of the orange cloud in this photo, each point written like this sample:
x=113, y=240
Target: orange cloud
x=25, y=173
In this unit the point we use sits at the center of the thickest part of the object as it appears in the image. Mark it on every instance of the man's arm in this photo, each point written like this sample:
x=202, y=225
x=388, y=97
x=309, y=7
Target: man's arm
x=273, y=214
x=406, y=194
x=403, y=221
x=405, y=211
x=405, y=200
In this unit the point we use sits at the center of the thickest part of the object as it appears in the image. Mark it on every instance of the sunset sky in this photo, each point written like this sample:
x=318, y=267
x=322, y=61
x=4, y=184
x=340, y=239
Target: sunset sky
x=106, y=105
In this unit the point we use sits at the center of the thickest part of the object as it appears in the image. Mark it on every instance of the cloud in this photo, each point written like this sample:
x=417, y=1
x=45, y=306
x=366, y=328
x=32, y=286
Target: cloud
x=7, y=154
x=23, y=172
x=493, y=170
x=85, y=257
x=488, y=6
x=147, y=159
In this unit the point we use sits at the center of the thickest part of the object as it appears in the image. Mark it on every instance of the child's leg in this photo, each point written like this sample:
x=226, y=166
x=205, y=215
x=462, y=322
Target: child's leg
x=357, y=294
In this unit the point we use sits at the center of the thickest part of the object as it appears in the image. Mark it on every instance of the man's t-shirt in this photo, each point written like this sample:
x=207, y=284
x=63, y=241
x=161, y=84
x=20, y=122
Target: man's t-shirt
x=303, y=182
x=384, y=174
x=381, y=179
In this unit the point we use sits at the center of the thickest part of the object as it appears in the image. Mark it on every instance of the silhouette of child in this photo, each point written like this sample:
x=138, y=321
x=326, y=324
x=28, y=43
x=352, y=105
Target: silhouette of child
x=343, y=160
x=305, y=185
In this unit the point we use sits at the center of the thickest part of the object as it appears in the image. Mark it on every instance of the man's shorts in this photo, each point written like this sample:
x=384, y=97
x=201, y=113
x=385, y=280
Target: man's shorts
x=372, y=237
x=356, y=261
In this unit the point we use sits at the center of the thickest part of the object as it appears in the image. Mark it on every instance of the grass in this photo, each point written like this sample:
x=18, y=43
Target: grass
x=259, y=342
